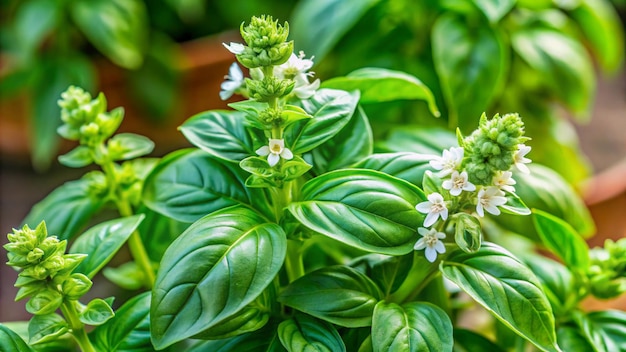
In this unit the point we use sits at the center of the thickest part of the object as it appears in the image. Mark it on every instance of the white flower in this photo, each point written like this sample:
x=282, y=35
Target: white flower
x=489, y=198
x=275, y=151
x=434, y=207
x=458, y=183
x=448, y=162
x=504, y=181
x=296, y=68
x=234, y=80
x=520, y=158
x=304, y=90
x=235, y=48
x=431, y=240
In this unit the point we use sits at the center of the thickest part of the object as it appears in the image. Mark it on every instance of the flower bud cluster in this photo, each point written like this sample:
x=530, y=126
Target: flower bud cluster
x=607, y=273
x=266, y=41
x=45, y=270
x=86, y=120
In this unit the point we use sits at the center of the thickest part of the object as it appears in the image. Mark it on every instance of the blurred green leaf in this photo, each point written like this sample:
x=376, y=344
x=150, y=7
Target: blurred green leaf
x=561, y=239
x=34, y=20
x=494, y=9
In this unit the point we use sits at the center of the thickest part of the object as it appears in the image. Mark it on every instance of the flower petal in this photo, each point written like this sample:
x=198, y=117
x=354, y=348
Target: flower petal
x=431, y=254
x=273, y=159
x=263, y=151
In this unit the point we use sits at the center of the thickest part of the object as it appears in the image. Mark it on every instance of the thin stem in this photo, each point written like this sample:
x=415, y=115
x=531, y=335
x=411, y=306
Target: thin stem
x=78, y=328
x=293, y=261
x=137, y=249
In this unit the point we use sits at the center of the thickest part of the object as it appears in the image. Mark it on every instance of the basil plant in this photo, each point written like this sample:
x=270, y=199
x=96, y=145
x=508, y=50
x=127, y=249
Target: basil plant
x=282, y=230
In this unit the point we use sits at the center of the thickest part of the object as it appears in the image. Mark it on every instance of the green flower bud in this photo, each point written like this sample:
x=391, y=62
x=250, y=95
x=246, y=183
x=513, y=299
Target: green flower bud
x=73, y=98
x=39, y=272
x=75, y=286
x=266, y=43
x=44, y=302
x=97, y=185
x=270, y=87
x=35, y=255
x=271, y=117
x=54, y=264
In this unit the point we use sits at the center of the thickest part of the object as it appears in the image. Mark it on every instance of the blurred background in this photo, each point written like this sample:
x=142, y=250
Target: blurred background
x=559, y=63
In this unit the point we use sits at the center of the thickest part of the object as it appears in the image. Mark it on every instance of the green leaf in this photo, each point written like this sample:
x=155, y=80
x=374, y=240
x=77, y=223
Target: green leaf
x=422, y=140
x=479, y=59
x=337, y=294
x=117, y=28
x=188, y=184
x=556, y=280
x=295, y=168
x=563, y=64
x=381, y=85
x=353, y=143
x=129, y=276
x=601, y=25
x=258, y=166
x=248, y=319
x=571, y=339
x=432, y=183
x=66, y=209
x=158, y=231
x=34, y=20
x=45, y=301
x=128, y=330
x=389, y=272
x=102, y=241
x=514, y=205
x=304, y=333
x=470, y=341
x=494, y=10
x=124, y=146
x=215, y=268
x=11, y=342
x=467, y=232
x=264, y=340
x=414, y=326
x=97, y=312
x=506, y=288
x=221, y=133
x=405, y=165
x=365, y=209
x=77, y=157
x=42, y=328
x=331, y=110
x=611, y=324
x=562, y=240
x=318, y=26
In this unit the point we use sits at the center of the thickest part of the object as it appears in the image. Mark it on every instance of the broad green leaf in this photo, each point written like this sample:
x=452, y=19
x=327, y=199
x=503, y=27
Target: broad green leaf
x=337, y=294
x=514, y=205
x=102, y=241
x=158, y=231
x=465, y=58
x=124, y=146
x=34, y=20
x=221, y=133
x=331, y=110
x=494, y=10
x=611, y=324
x=556, y=280
x=545, y=190
x=189, y=184
x=66, y=209
x=97, y=312
x=353, y=143
x=405, y=165
x=563, y=64
x=506, y=288
x=77, y=157
x=216, y=267
x=264, y=340
x=593, y=334
x=117, y=28
x=317, y=26
x=42, y=328
x=365, y=209
x=389, y=272
x=470, y=341
x=414, y=326
x=379, y=85
x=467, y=232
x=250, y=318
x=601, y=25
x=128, y=330
x=305, y=333
x=571, y=339
x=129, y=276
x=561, y=239
x=422, y=140
x=12, y=342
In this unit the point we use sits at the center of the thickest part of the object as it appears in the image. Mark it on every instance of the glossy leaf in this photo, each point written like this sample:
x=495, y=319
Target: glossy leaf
x=479, y=59
x=124, y=146
x=467, y=232
x=129, y=276
x=506, y=288
x=353, y=143
x=556, y=280
x=189, y=184
x=389, y=272
x=421, y=140
x=10, y=341
x=337, y=294
x=304, y=333
x=514, y=205
x=380, y=85
x=97, y=312
x=77, y=157
x=221, y=133
x=264, y=340
x=612, y=326
x=102, y=241
x=405, y=165
x=331, y=110
x=562, y=240
x=66, y=209
x=128, y=330
x=250, y=318
x=158, y=231
x=118, y=28
x=42, y=328
x=470, y=341
x=365, y=209
x=415, y=326
x=563, y=63
x=215, y=268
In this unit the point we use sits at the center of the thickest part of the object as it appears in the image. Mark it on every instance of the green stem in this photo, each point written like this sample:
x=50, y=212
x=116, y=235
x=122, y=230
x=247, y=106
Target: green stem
x=293, y=261
x=78, y=328
x=137, y=249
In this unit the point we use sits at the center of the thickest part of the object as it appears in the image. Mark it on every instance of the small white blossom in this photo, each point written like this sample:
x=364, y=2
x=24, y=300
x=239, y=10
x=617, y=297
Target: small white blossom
x=489, y=198
x=303, y=89
x=274, y=151
x=448, y=162
x=234, y=80
x=458, y=183
x=431, y=241
x=520, y=158
x=235, y=48
x=504, y=181
x=434, y=207
x=297, y=68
